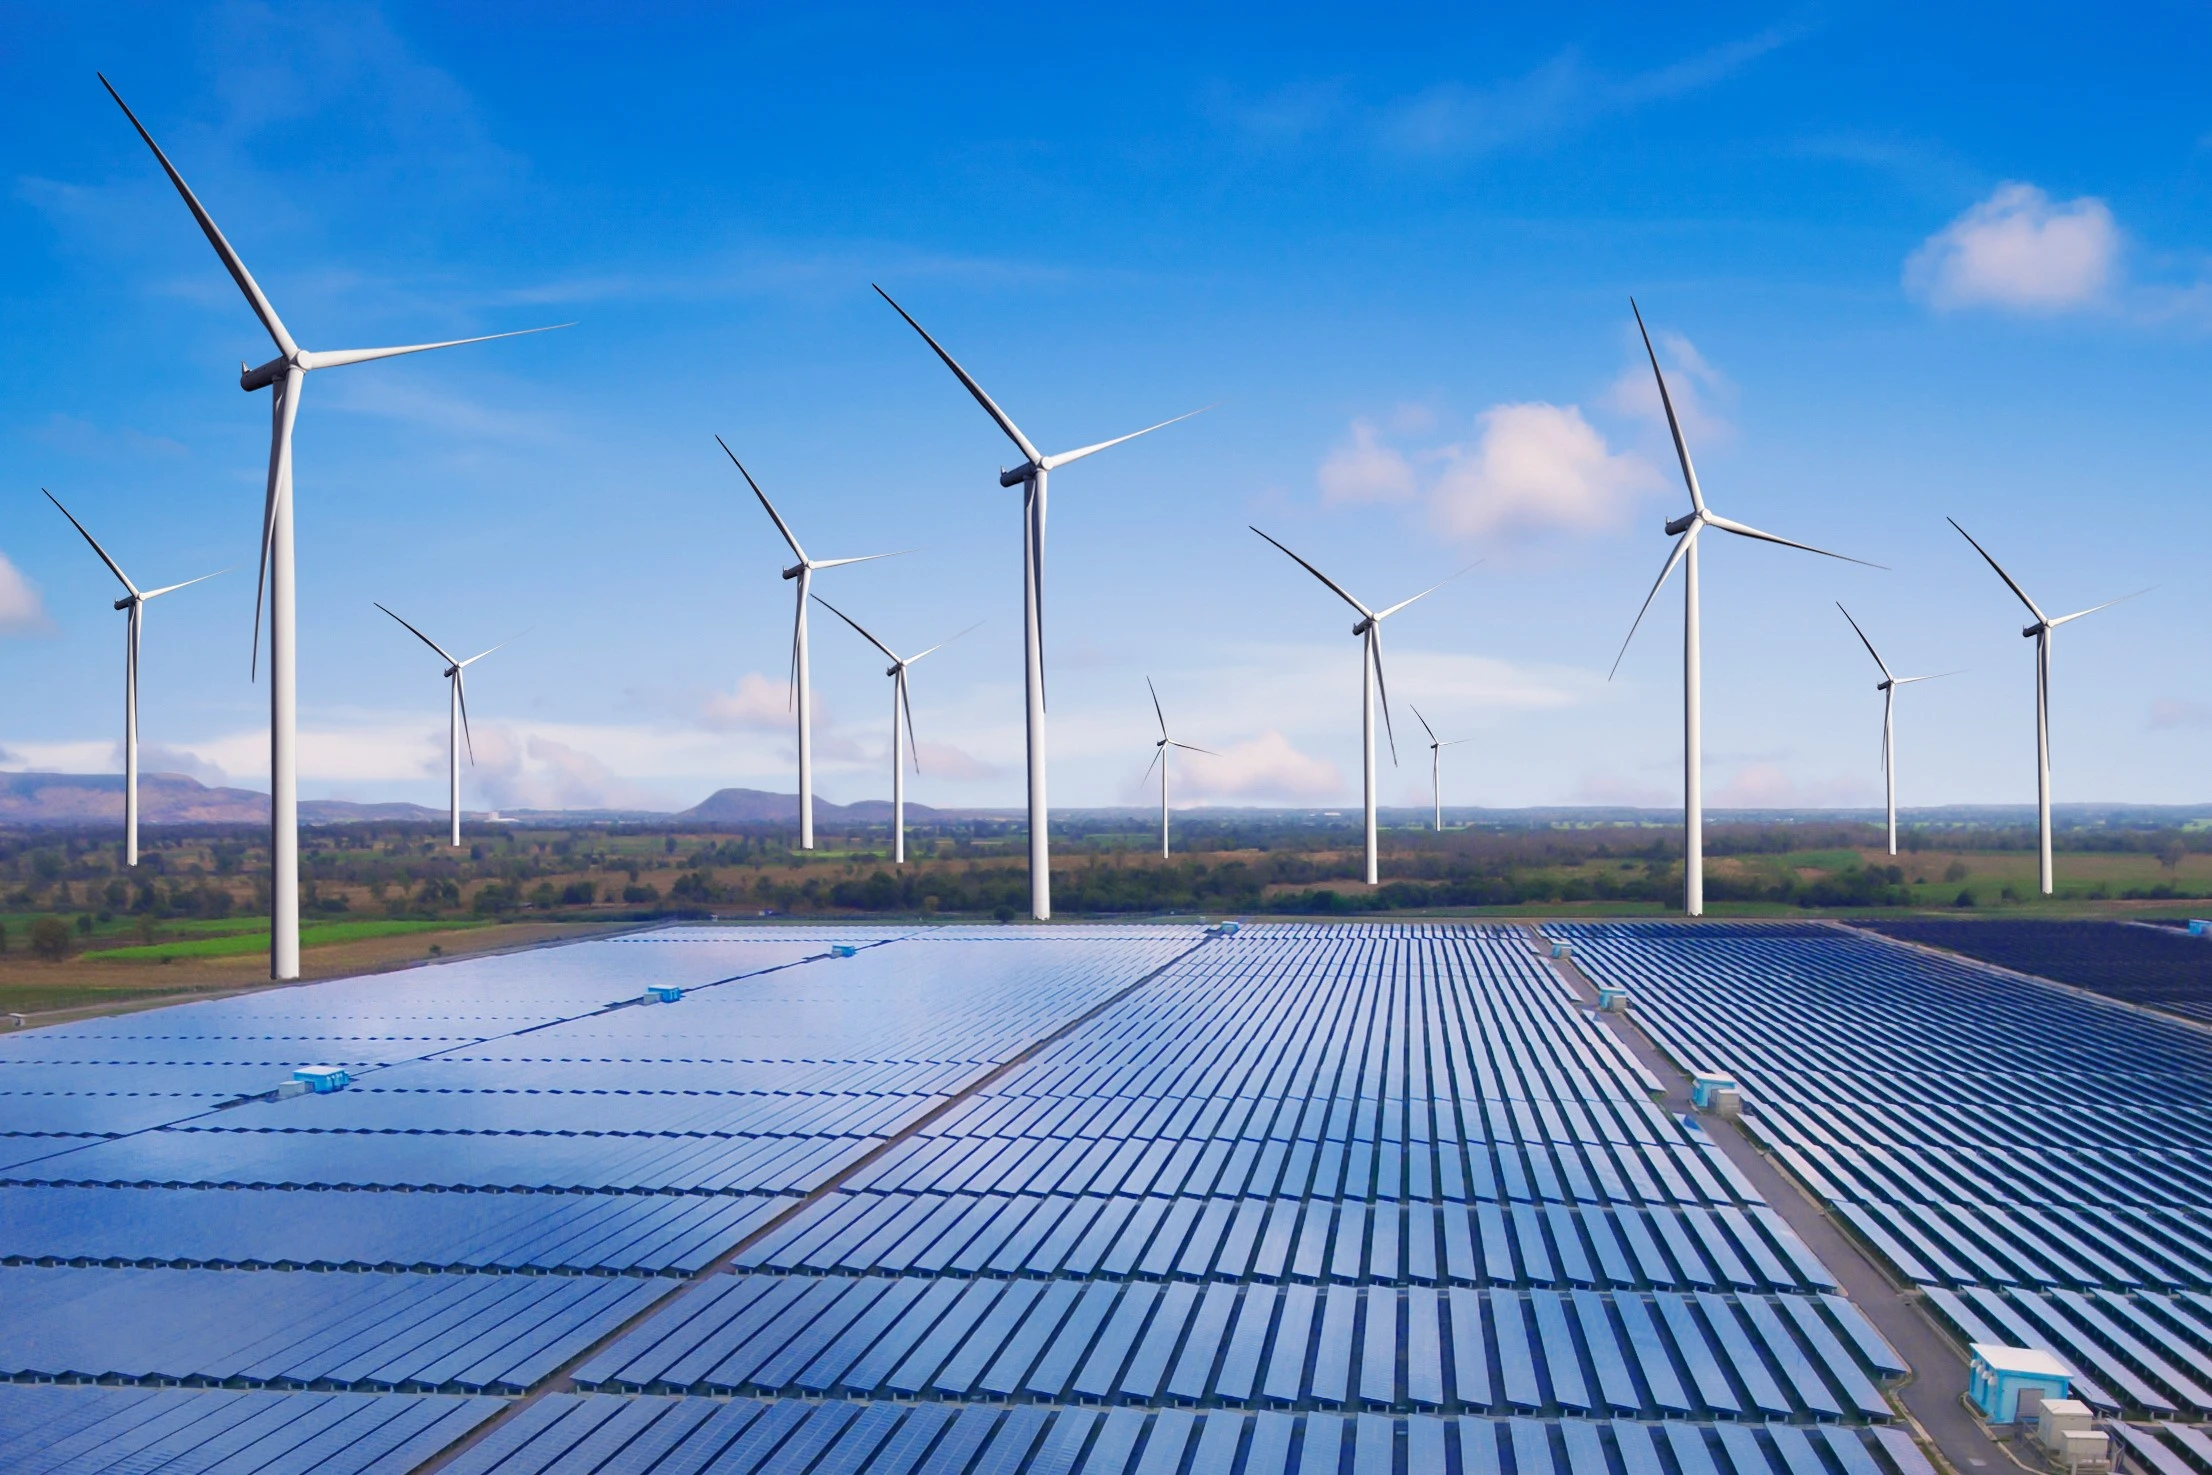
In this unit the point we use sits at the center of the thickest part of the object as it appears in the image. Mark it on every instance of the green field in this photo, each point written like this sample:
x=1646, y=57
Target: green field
x=254, y=938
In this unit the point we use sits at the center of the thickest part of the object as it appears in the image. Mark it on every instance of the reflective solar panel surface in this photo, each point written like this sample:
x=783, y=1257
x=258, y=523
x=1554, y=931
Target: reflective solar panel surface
x=1368, y=1198
x=2035, y=1160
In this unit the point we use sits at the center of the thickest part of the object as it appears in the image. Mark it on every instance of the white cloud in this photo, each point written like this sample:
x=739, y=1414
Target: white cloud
x=1261, y=768
x=539, y=772
x=1771, y=786
x=1692, y=383
x=943, y=760
x=2020, y=250
x=759, y=703
x=1365, y=470
x=22, y=612
x=2174, y=712
x=1536, y=466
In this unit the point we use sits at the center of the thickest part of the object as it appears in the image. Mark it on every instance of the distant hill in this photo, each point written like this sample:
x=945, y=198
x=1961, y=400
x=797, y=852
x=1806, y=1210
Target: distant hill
x=758, y=806
x=67, y=800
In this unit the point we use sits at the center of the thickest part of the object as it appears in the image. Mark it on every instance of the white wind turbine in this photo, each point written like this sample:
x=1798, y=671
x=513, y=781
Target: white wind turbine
x=1887, y=686
x=1684, y=530
x=1159, y=756
x=134, y=602
x=899, y=705
x=1369, y=629
x=1030, y=477
x=286, y=375
x=1436, y=765
x=802, y=669
x=457, y=718
x=2040, y=632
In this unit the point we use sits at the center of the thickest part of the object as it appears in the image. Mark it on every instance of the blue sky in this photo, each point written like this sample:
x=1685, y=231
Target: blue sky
x=1900, y=265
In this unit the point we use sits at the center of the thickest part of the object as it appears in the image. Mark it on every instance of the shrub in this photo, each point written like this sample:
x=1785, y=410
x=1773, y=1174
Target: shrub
x=579, y=893
x=641, y=895
x=50, y=938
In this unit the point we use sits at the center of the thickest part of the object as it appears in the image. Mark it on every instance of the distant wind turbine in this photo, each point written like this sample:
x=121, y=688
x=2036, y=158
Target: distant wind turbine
x=134, y=603
x=1159, y=756
x=1887, y=686
x=1436, y=765
x=286, y=375
x=802, y=670
x=900, y=706
x=1369, y=629
x=1684, y=530
x=1030, y=476
x=457, y=717
x=2040, y=633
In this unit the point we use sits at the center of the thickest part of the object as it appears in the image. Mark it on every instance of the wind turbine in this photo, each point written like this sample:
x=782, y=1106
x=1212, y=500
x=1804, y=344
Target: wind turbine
x=1436, y=765
x=2040, y=632
x=1887, y=686
x=1684, y=530
x=1030, y=477
x=1369, y=629
x=1159, y=756
x=457, y=718
x=801, y=668
x=286, y=375
x=134, y=602
x=899, y=704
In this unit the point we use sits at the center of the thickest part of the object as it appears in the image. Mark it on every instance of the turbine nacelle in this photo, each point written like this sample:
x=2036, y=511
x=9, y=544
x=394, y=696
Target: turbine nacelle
x=794, y=571
x=1684, y=523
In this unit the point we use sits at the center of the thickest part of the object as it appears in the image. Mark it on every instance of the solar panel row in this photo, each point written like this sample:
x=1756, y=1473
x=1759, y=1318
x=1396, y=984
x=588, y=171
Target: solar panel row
x=183, y=1432
x=2037, y=1161
x=583, y=1435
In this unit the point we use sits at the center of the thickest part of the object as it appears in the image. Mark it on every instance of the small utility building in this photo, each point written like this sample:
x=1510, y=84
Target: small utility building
x=1999, y=1375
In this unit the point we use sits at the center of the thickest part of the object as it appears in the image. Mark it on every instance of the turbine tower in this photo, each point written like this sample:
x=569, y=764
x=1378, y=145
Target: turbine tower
x=1369, y=629
x=1684, y=530
x=457, y=718
x=802, y=670
x=134, y=603
x=1159, y=756
x=899, y=705
x=1436, y=765
x=1887, y=686
x=1030, y=477
x=286, y=375
x=2040, y=633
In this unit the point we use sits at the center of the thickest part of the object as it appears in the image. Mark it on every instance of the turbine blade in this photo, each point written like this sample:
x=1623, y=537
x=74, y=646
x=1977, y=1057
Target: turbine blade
x=1148, y=686
x=940, y=645
x=864, y=635
x=864, y=558
x=1192, y=748
x=913, y=743
x=1324, y=578
x=1681, y=545
x=461, y=690
x=1455, y=742
x=1384, y=614
x=1741, y=530
x=773, y=515
x=2123, y=599
x=338, y=358
x=1993, y=563
x=1037, y=557
x=1870, y=650
x=1382, y=689
x=113, y=568
x=237, y=268
x=284, y=409
x=1909, y=680
x=1424, y=724
x=1159, y=756
x=426, y=640
x=510, y=640
x=1674, y=426
x=791, y=680
x=990, y=407
x=188, y=583
x=1053, y=463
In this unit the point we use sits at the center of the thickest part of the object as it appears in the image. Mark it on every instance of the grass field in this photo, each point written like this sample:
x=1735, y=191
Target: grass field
x=253, y=937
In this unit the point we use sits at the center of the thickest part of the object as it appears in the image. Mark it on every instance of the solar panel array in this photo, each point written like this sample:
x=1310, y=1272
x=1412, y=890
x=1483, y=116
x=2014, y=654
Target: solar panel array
x=1368, y=1199
x=2037, y=1162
